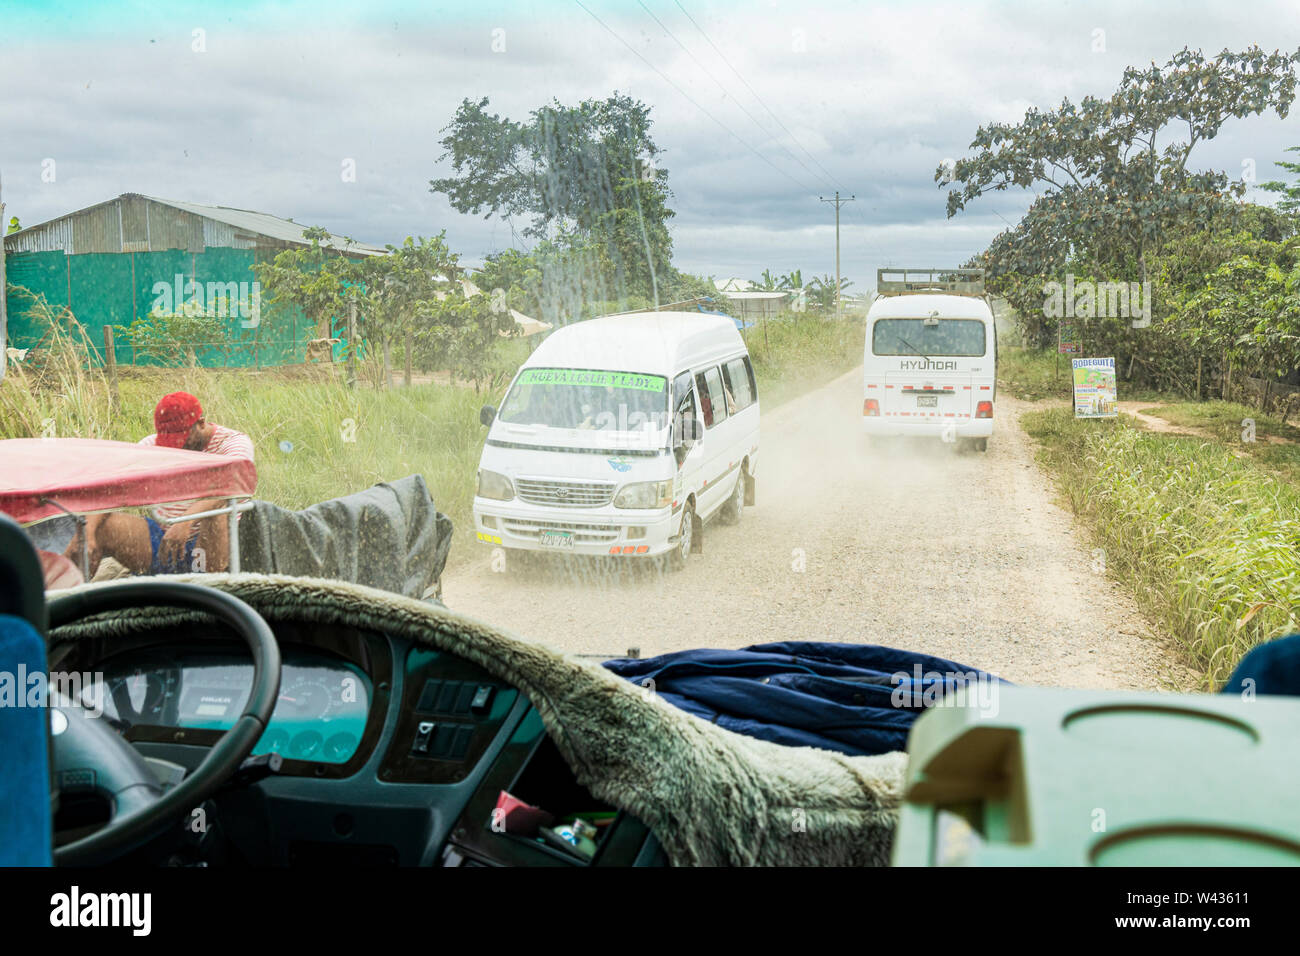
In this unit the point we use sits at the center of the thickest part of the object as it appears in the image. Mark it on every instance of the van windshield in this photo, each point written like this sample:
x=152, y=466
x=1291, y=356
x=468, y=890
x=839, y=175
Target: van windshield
x=586, y=398
x=915, y=337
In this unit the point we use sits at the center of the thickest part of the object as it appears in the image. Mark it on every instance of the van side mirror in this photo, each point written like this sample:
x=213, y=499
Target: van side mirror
x=487, y=414
x=687, y=431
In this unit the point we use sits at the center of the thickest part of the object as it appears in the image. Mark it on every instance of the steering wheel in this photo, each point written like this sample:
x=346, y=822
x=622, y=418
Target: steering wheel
x=84, y=744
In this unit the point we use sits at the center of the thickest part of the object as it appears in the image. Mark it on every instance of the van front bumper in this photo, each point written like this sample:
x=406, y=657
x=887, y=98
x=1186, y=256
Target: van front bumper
x=954, y=428
x=607, y=531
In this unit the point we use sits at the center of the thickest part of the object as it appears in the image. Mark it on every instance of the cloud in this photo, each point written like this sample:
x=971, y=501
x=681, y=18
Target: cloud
x=868, y=99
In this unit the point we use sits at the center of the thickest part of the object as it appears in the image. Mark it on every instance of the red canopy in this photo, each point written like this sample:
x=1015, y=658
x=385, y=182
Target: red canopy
x=87, y=474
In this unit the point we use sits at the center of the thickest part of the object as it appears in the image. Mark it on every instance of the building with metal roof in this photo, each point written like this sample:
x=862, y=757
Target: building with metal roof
x=125, y=259
x=136, y=223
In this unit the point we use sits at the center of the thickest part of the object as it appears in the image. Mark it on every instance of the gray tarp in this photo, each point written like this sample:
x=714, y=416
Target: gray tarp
x=389, y=537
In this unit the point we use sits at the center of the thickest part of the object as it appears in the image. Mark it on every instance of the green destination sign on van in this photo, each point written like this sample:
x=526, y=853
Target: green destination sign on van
x=575, y=376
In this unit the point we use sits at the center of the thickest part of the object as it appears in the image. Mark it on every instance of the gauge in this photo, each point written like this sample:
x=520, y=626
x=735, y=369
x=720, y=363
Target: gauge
x=304, y=746
x=304, y=699
x=274, y=741
x=143, y=696
x=340, y=747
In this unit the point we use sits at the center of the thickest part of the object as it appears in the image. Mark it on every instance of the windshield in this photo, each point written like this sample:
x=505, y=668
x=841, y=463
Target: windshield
x=962, y=330
x=587, y=399
x=960, y=337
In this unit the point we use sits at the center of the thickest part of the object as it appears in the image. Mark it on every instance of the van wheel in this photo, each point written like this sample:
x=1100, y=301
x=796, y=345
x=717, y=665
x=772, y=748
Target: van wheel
x=677, y=556
x=981, y=444
x=731, y=511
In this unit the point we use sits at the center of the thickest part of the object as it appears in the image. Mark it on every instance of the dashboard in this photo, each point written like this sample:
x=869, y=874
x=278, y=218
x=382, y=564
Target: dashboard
x=394, y=753
x=320, y=715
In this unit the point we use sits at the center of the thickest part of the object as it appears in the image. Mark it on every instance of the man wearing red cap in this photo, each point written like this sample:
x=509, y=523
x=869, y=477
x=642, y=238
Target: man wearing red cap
x=146, y=545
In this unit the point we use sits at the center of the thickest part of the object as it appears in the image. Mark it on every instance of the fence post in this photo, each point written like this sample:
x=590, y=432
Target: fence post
x=352, y=344
x=110, y=364
x=407, y=347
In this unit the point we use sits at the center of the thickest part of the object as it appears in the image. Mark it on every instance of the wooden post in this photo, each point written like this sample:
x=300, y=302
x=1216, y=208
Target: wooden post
x=1198, y=378
x=406, y=379
x=388, y=362
x=110, y=363
x=352, y=344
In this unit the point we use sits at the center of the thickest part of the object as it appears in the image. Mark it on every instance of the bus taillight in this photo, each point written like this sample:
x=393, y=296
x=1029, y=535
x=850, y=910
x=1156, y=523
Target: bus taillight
x=984, y=410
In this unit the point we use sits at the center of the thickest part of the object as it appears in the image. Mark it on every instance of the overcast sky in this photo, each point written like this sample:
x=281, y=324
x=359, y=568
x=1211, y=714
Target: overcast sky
x=866, y=98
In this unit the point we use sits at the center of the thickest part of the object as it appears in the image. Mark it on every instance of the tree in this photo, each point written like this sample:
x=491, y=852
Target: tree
x=1290, y=201
x=1110, y=196
x=821, y=292
x=584, y=176
x=317, y=278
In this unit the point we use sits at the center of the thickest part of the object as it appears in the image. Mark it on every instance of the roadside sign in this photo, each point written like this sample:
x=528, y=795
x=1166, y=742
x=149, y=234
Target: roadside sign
x=1094, y=388
x=1069, y=338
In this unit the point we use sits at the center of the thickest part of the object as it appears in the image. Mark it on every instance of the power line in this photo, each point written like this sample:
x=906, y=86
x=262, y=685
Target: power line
x=770, y=112
x=669, y=81
x=709, y=74
x=754, y=93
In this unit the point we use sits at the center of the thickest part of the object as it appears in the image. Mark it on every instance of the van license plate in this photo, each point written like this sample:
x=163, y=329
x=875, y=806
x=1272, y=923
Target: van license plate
x=927, y=401
x=556, y=539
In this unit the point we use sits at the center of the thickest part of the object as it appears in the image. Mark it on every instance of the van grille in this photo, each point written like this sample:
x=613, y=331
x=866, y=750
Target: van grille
x=564, y=494
x=582, y=533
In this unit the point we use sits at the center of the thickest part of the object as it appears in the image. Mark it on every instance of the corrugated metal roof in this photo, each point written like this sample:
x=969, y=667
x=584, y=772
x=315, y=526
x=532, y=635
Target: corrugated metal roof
x=264, y=224
x=755, y=295
x=125, y=224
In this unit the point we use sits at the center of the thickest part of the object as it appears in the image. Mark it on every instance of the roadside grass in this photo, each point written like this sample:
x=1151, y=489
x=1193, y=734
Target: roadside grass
x=1225, y=420
x=317, y=439
x=1205, y=540
x=1036, y=374
x=797, y=353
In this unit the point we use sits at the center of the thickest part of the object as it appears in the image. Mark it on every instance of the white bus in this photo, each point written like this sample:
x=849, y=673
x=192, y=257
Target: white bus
x=621, y=436
x=929, y=366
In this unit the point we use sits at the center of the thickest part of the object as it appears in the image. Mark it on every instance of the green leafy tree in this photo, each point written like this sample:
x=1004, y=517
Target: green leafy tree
x=1290, y=201
x=1110, y=195
x=584, y=177
x=791, y=280
x=320, y=280
x=821, y=292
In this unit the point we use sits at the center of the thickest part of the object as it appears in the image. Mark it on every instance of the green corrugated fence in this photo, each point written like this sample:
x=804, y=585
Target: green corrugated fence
x=115, y=288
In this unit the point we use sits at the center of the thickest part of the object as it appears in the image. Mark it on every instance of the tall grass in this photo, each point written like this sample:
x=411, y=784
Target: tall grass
x=1206, y=540
x=795, y=353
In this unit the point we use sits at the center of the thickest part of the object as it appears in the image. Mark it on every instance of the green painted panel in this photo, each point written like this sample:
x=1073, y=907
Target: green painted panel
x=115, y=288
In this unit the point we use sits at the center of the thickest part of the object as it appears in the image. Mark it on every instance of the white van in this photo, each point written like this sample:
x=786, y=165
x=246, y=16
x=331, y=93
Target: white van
x=929, y=366
x=621, y=436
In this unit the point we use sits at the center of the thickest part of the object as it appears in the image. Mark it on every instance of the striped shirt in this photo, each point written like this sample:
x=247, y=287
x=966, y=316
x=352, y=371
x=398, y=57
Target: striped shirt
x=224, y=441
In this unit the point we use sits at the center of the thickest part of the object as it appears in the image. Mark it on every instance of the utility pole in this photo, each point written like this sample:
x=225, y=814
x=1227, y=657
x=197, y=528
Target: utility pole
x=838, y=202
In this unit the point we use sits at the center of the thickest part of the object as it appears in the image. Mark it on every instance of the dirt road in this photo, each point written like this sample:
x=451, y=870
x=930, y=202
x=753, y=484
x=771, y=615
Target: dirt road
x=964, y=556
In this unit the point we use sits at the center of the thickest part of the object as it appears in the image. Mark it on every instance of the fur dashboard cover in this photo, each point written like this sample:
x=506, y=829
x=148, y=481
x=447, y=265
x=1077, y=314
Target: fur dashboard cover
x=712, y=797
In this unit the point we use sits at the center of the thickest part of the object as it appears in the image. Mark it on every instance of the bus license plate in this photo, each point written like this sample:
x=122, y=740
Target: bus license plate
x=556, y=539
x=927, y=401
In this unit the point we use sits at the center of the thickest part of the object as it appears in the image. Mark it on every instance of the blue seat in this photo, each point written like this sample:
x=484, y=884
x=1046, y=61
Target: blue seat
x=25, y=820
x=1271, y=668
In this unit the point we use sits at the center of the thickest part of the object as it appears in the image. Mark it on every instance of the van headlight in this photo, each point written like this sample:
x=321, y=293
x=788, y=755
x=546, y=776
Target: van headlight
x=492, y=485
x=645, y=495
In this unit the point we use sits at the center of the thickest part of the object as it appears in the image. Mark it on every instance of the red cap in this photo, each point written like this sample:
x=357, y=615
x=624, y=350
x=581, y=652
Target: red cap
x=173, y=418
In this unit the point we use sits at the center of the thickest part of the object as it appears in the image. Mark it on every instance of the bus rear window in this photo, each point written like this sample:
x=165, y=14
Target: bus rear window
x=915, y=337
